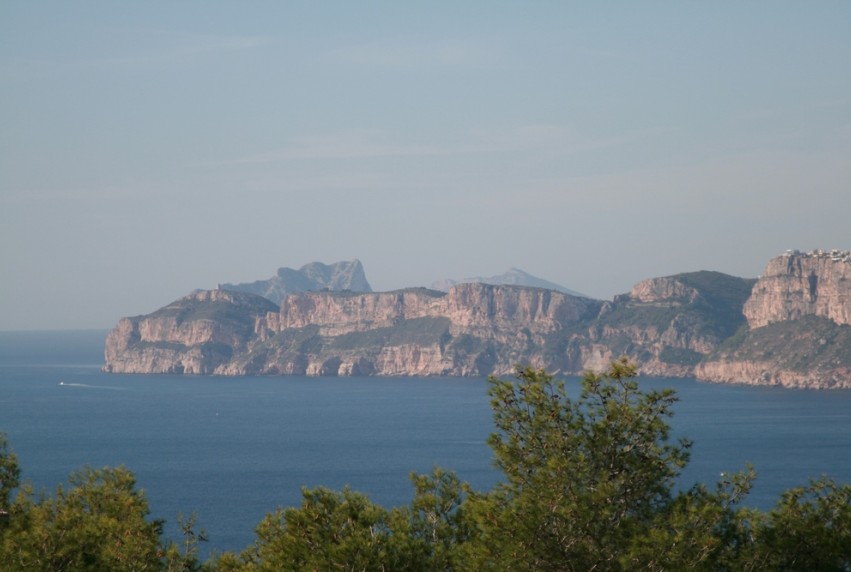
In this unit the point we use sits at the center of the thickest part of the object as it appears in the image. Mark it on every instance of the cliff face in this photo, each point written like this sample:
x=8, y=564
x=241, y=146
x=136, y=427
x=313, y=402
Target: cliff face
x=810, y=352
x=798, y=285
x=195, y=334
x=790, y=328
x=663, y=292
x=341, y=313
x=466, y=306
x=799, y=334
x=667, y=325
x=474, y=329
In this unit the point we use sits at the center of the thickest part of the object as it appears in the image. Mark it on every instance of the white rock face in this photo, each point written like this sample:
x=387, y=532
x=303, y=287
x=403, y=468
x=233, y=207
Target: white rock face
x=671, y=326
x=662, y=291
x=797, y=285
x=748, y=372
x=467, y=306
x=338, y=314
x=480, y=329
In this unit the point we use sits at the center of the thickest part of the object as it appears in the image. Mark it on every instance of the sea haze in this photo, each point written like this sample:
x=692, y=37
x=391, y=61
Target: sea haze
x=232, y=449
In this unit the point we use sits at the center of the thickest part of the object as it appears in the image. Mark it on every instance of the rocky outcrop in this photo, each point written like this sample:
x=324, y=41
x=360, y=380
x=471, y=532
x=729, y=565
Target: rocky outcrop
x=474, y=329
x=767, y=373
x=809, y=352
x=341, y=313
x=195, y=334
x=669, y=291
x=668, y=325
x=797, y=285
x=799, y=326
x=340, y=276
x=790, y=328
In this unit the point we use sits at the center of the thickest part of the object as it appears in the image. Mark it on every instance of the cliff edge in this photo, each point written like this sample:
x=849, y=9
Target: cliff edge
x=798, y=326
x=791, y=327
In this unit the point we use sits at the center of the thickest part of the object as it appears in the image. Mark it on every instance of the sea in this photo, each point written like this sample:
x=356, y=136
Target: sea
x=231, y=449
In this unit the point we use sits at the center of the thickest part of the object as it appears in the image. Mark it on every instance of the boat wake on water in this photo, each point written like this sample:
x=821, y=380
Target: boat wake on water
x=87, y=386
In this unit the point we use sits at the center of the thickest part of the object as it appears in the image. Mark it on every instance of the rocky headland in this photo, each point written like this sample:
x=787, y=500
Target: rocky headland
x=791, y=327
x=798, y=330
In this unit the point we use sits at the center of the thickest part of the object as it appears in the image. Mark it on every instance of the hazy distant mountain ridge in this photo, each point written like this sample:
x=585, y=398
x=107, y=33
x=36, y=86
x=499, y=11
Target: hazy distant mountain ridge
x=315, y=276
x=512, y=277
x=787, y=328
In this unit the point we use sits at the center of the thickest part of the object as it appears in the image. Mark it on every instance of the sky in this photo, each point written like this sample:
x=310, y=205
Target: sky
x=151, y=148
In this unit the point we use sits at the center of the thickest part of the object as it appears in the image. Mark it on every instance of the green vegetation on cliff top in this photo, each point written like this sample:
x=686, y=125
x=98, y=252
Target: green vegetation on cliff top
x=810, y=343
x=241, y=313
x=717, y=309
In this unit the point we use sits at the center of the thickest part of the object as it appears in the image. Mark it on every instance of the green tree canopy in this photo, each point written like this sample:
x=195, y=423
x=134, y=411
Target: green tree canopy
x=582, y=476
x=10, y=475
x=98, y=523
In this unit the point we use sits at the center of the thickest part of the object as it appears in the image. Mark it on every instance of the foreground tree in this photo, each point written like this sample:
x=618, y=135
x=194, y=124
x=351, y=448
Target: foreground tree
x=589, y=484
x=346, y=531
x=184, y=557
x=10, y=478
x=99, y=523
x=808, y=529
x=584, y=477
x=10, y=472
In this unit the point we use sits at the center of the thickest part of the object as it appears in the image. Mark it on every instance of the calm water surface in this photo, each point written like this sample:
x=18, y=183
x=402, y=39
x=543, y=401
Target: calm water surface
x=232, y=449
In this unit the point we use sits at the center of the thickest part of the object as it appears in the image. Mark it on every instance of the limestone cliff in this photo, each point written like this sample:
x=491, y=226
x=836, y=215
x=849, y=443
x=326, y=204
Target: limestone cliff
x=797, y=284
x=667, y=325
x=799, y=326
x=474, y=329
x=341, y=312
x=789, y=328
x=194, y=334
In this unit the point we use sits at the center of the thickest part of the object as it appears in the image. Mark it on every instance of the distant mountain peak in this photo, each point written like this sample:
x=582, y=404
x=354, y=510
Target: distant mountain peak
x=312, y=277
x=513, y=276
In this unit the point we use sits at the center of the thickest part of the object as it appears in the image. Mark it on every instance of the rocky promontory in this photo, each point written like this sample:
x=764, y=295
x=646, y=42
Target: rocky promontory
x=797, y=285
x=190, y=335
x=798, y=326
x=790, y=328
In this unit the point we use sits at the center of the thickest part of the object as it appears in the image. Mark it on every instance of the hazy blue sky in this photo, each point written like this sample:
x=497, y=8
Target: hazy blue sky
x=150, y=148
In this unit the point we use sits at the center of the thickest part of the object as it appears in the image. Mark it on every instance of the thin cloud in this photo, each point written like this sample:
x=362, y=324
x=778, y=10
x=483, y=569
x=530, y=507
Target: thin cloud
x=342, y=145
x=405, y=53
x=170, y=48
x=96, y=193
x=554, y=139
x=159, y=49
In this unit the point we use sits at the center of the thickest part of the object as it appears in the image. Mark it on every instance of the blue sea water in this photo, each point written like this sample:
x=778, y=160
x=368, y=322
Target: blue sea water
x=233, y=449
